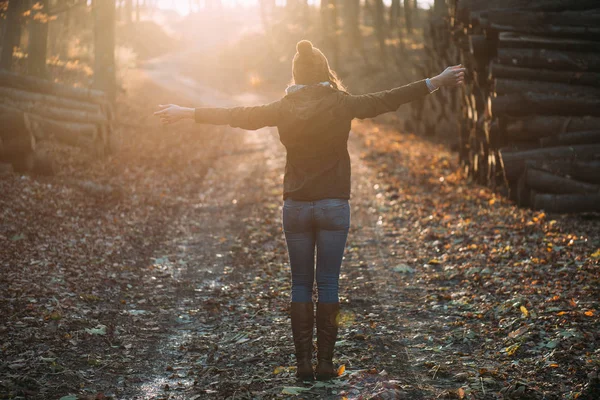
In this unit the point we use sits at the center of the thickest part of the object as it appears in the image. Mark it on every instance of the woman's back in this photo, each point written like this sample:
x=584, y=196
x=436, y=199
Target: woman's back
x=314, y=130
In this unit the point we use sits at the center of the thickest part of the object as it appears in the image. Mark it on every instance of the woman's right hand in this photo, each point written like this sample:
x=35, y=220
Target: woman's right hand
x=452, y=76
x=170, y=113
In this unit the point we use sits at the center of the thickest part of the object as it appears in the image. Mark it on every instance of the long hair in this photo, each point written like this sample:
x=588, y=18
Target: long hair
x=310, y=66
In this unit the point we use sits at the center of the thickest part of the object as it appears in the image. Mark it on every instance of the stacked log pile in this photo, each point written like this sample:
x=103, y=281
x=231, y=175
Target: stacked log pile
x=531, y=119
x=33, y=110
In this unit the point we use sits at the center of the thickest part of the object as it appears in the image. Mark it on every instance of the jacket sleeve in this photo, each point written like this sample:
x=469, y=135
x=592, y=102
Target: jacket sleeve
x=249, y=118
x=372, y=104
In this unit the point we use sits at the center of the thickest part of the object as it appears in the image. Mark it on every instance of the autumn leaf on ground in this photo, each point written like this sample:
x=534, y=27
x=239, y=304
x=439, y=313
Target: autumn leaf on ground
x=294, y=390
x=510, y=350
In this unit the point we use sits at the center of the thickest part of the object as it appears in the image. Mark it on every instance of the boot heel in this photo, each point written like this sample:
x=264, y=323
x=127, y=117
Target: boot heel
x=303, y=318
x=327, y=330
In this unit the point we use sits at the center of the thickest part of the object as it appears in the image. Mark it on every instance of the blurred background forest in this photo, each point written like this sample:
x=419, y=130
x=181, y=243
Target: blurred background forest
x=147, y=261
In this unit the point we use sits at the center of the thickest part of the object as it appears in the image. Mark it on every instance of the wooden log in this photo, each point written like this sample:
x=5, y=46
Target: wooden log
x=568, y=23
x=49, y=100
x=16, y=147
x=528, y=103
x=514, y=162
x=464, y=7
x=481, y=48
x=43, y=165
x=503, y=86
x=5, y=169
x=567, y=203
x=25, y=163
x=551, y=59
x=76, y=134
x=13, y=123
x=523, y=40
x=17, y=81
x=17, y=140
x=546, y=75
x=585, y=171
x=538, y=126
x=565, y=139
x=57, y=113
x=547, y=182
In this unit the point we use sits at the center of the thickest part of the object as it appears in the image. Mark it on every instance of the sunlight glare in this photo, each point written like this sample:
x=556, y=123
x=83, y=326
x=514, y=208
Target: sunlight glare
x=183, y=7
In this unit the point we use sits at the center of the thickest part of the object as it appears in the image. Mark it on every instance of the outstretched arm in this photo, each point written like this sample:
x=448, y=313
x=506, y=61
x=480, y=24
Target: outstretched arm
x=372, y=104
x=239, y=117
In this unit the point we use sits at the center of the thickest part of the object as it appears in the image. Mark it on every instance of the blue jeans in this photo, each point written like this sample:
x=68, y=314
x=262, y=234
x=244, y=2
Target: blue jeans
x=323, y=224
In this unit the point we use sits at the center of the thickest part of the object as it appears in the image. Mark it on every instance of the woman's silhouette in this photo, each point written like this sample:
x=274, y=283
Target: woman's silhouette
x=313, y=120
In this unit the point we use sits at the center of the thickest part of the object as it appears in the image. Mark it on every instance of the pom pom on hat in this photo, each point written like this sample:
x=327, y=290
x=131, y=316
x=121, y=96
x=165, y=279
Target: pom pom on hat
x=304, y=48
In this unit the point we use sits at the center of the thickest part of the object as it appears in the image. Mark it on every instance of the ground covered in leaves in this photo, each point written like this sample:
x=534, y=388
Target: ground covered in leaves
x=162, y=273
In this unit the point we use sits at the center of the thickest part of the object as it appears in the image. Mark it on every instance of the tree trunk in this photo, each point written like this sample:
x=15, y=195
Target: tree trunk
x=65, y=35
x=329, y=29
x=12, y=33
x=408, y=16
x=38, y=42
x=380, y=30
x=128, y=8
x=567, y=203
x=104, y=48
x=394, y=14
x=527, y=103
x=546, y=75
x=552, y=59
x=513, y=162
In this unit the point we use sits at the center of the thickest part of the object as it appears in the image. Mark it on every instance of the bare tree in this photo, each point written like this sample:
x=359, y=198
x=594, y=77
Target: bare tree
x=408, y=16
x=38, y=40
x=12, y=33
x=380, y=29
x=104, y=47
x=329, y=24
x=128, y=8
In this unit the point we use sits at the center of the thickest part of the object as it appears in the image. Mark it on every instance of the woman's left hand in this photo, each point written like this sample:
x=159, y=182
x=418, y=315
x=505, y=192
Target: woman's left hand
x=170, y=113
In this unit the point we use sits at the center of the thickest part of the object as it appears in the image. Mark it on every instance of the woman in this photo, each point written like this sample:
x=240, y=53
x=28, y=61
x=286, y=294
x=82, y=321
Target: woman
x=313, y=120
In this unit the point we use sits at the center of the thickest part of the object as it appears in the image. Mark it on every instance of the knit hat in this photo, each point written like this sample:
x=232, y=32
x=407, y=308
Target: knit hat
x=310, y=65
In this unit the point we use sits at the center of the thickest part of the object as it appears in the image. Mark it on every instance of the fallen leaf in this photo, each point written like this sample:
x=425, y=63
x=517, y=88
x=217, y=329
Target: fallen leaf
x=510, y=350
x=524, y=311
x=98, y=330
x=294, y=390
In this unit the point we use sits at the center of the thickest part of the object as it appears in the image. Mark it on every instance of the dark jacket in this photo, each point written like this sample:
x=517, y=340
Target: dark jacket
x=313, y=124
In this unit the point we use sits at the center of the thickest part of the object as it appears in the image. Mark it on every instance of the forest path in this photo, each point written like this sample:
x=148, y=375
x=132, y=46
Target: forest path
x=230, y=245
x=176, y=283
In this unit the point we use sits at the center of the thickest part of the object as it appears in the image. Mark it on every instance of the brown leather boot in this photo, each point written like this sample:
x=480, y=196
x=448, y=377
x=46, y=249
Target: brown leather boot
x=327, y=329
x=303, y=318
